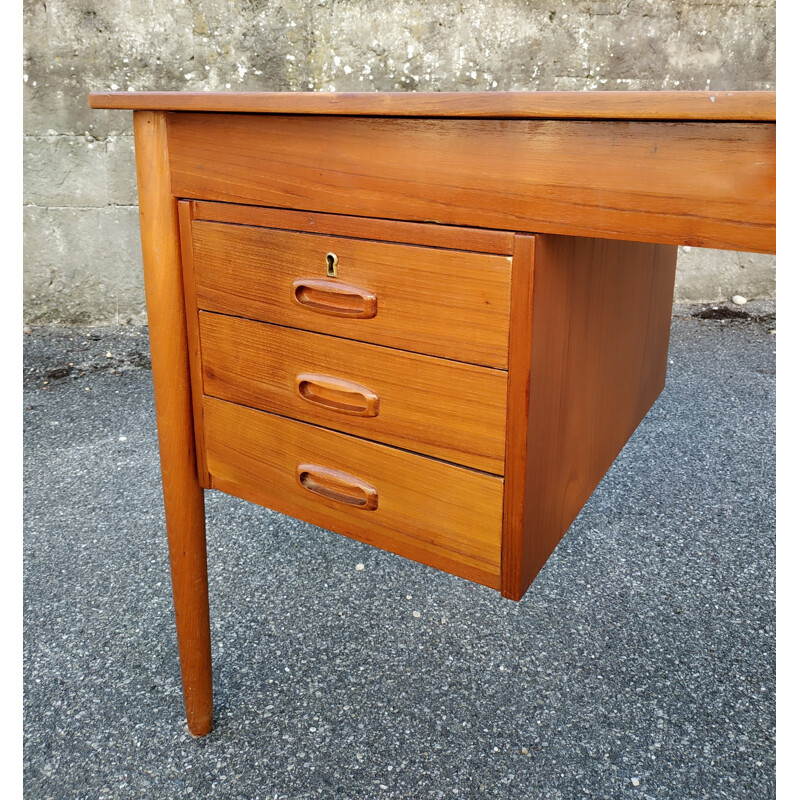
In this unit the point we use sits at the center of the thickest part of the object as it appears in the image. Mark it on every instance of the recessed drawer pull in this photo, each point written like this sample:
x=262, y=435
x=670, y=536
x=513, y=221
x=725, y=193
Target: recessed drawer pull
x=335, y=298
x=337, y=394
x=339, y=486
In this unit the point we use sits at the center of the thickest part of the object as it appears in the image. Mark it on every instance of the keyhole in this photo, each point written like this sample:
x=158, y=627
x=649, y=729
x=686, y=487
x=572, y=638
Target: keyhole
x=332, y=260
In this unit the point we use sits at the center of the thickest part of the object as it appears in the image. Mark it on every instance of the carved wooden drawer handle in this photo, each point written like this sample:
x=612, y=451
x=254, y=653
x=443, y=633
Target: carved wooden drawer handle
x=337, y=394
x=339, y=486
x=335, y=298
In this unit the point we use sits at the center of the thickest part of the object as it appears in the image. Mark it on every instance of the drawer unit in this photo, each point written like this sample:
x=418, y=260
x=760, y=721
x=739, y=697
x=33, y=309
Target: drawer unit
x=441, y=302
x=308, y=324
x=440, y=358
x=437, y=513
x=357, y=384
x=446, y=409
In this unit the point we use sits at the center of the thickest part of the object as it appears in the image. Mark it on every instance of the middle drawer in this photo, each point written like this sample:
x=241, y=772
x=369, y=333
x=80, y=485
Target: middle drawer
x=446, y=409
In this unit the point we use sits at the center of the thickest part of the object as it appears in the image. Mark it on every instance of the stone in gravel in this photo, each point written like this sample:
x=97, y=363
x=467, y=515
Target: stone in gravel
x=739, y=300
x=359, y=567
x=635, y=781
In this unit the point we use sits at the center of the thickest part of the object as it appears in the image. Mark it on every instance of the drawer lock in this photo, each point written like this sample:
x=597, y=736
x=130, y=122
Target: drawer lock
x=332, y=268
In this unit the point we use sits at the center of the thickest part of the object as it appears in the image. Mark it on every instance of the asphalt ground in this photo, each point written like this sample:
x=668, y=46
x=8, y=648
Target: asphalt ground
x=640, y=664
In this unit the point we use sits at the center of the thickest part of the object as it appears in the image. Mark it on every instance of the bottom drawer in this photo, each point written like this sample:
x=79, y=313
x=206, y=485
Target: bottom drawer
x=446, y=516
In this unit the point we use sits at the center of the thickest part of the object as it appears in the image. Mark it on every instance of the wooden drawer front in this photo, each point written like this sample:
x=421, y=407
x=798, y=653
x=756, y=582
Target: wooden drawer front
x=445, y=303
x=442, y=408
x=446, y=516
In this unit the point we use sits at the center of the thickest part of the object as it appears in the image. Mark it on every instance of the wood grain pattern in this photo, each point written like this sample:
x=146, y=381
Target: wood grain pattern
x=446, y=516
x=601, y=319
x=428, y=405
x=704, y=184
x=549, y=105
x=183, y=496
x=445, y=303
x=450, y=237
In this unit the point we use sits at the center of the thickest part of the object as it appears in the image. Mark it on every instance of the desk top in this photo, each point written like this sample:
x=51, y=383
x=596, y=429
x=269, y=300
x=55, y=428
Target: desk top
x=690, y=168
x=679, y=106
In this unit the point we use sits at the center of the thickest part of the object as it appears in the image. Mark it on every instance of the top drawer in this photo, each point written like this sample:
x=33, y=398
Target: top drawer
x=447, y=303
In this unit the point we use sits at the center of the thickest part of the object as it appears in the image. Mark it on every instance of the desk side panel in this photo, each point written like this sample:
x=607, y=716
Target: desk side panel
x=601, y=321
x=706, y=184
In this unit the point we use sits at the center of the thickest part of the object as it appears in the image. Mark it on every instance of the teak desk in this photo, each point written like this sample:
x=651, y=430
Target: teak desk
x=426, y=321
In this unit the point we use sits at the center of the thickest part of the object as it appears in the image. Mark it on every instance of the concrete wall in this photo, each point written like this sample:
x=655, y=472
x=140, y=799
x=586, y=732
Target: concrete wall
x=82, y=261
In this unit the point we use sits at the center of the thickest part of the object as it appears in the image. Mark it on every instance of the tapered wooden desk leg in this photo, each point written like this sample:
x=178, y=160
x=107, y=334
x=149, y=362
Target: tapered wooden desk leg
x=183, y=496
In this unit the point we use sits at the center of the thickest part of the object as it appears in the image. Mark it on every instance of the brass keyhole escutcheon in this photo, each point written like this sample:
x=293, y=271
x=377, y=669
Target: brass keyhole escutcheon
x=332, y=261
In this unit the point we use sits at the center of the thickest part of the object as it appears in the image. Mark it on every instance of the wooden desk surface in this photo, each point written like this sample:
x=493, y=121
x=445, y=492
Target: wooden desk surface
x=685, y=168
x=722, y=106
x=587, y=320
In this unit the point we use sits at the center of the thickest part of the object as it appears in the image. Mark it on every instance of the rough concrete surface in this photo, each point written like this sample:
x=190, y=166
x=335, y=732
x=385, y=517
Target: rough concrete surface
x=640, y=664
x=79, y=165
